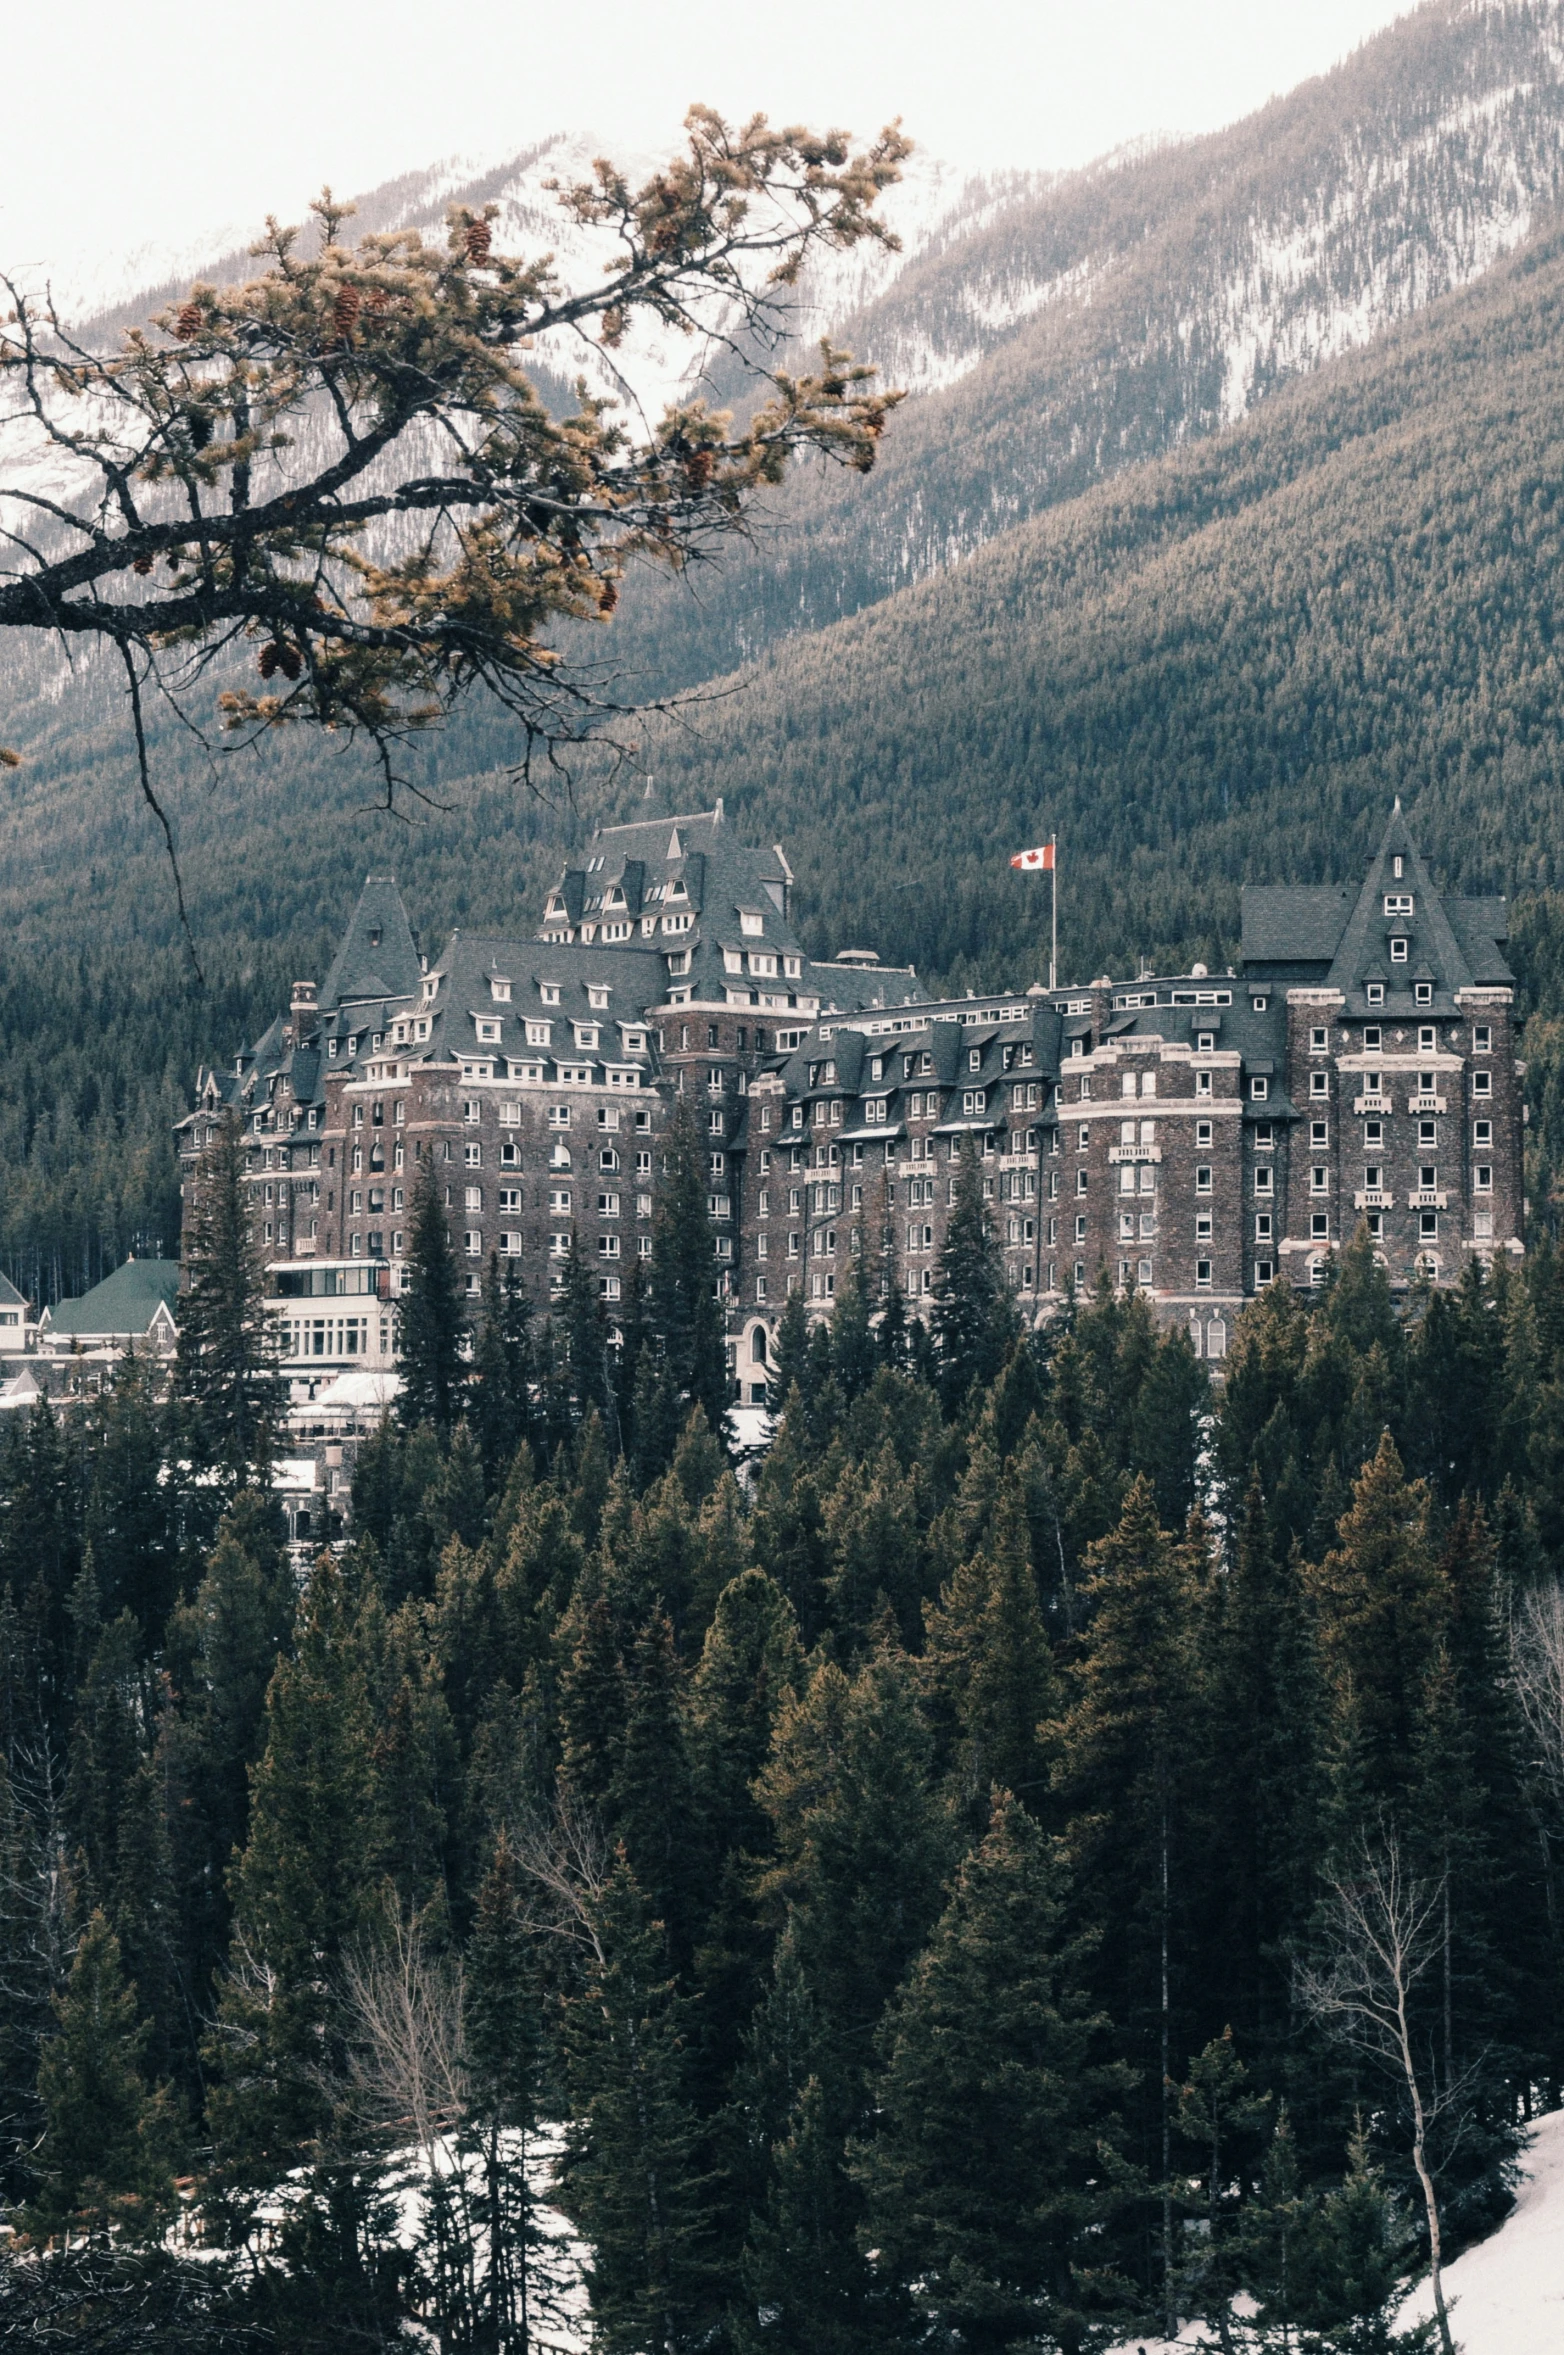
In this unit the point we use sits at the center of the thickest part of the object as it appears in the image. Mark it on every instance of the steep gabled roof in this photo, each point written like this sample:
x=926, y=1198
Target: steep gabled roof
x=125, y=1303
x=1433, y=952
x=377, y=958
x=1292, y=924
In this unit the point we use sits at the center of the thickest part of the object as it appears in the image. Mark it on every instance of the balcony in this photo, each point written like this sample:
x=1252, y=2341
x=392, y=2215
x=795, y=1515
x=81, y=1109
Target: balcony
x=1134, y=1153
x=1373, y=1198
x=1427, y=1198
x=1425, y=1103
x=1371, y=1104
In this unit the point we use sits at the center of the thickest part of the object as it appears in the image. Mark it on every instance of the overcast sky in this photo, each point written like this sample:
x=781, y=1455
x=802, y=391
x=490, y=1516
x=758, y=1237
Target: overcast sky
x=160, y=123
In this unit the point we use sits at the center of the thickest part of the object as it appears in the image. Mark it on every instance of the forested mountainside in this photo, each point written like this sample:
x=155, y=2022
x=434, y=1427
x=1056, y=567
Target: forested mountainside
x=1219, y=663
x=1053, y=338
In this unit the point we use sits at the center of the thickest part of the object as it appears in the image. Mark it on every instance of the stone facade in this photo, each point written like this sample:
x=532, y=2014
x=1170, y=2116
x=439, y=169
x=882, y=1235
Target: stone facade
x=1199, y=1136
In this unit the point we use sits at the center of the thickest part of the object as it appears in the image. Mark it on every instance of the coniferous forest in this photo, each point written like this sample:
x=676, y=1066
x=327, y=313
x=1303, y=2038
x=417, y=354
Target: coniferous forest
x=954, y=1886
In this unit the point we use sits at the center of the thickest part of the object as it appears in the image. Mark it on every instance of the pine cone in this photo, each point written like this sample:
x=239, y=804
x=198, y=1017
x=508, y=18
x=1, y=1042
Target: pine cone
x=479, y=240
x=289, y=661
x=698, y=468
x=607, y=596
x=188, y=322
x=345, y=310
x=269, y=659
x=142, y=564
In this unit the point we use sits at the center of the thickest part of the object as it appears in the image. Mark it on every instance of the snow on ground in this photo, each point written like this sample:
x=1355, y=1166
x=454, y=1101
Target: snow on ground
x=1505, y=2294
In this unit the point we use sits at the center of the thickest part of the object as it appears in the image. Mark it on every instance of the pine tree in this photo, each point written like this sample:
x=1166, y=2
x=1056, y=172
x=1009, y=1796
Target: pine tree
x=502, y=1405
x=1384, y=1608
x=299, y=1894
x=989, y=1667
x=231, y=1394
x=985, y=2181
x=631, y=2178
x=431, y=1323
x=503, y=2052
x=105, y=2162
x=584, y=1329
x=975, y=1320
x=683, y=1311
x=1130, y=1748
x=854, y=1356
x=128, y=1522
x=790, y=1369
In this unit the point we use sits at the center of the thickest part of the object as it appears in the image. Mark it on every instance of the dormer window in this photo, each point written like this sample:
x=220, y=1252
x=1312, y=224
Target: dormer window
x=586, y=1034
x=548, y=991
x=1398, y=903
x=974, y=1058
x=597, y=997
x=538, y=1033
x=1423, y=993
x=1259, y=1089
x=488, y=1030
x=499, y=990
x=793, y=966
x=1374, y=993
x=1398, y=950
x=751, y=921
x=1205, y=1042
x=431, y=985
x=877, y=1067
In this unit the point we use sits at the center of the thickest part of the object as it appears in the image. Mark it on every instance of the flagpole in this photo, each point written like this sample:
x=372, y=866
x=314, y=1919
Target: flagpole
x=1053, y=949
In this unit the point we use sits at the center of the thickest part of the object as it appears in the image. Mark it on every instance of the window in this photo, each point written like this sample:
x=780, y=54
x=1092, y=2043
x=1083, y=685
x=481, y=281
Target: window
x=1371, y=1177
x=1319, y=1083
x=1428, y=1226
x=1398, y=949
x=1375, y=993
x=1482, y=1135
x=1371, y=1042
x=1426, y=1133
x=1423, y=993
x=1202, y=1180
x=1482, y=1083
x=1263, y=1179
x=1202, y=1136
x=472, y=1243
x=474, y=1198
x=1202, y=1275
x=472, y=1156
x=1262, y=1226
x=1205, y=1042
x=1263, y=1273
x=1483, y=1177
x=1319, y=1179
x=1373, y=1135
x=1080, y=1181
x=1319, y=1040
x=1482, y=1040
x=1080, y=1230
x=1427, y=1041
x=1398, y=903
x=1319, y=1226
x=1203, y=1227
x=1259, y=1089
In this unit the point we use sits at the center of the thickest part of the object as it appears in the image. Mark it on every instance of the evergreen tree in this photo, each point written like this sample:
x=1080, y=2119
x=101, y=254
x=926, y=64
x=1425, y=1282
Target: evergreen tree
x=854, y=1356
x=584, y=1329
x=790, y=1367
x=987, y=2183
x=503, y=1374
x=631, y=2179
x=684, y=1313
x=231, y=1394
x=975, y=1320
x=431, y=1323
x=989, y=1667
x=105, y=2162
x=299, y=1894
x=128, y=1522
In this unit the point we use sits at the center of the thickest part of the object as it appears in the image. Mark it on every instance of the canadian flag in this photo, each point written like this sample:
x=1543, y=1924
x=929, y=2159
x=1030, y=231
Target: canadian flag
x=1043, y=856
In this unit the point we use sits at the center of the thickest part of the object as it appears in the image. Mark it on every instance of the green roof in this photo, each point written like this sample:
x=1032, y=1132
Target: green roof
x=124, y=1302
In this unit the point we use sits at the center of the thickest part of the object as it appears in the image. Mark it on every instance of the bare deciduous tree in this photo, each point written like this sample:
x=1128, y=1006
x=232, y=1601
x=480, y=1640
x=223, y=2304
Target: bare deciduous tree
x=1382, y=1935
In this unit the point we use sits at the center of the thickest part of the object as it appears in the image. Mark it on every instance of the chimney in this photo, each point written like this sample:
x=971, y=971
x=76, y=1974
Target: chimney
x=302, y=1003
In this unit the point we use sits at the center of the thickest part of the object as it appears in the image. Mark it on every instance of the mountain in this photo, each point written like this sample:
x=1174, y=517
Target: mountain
x=1230, y=506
